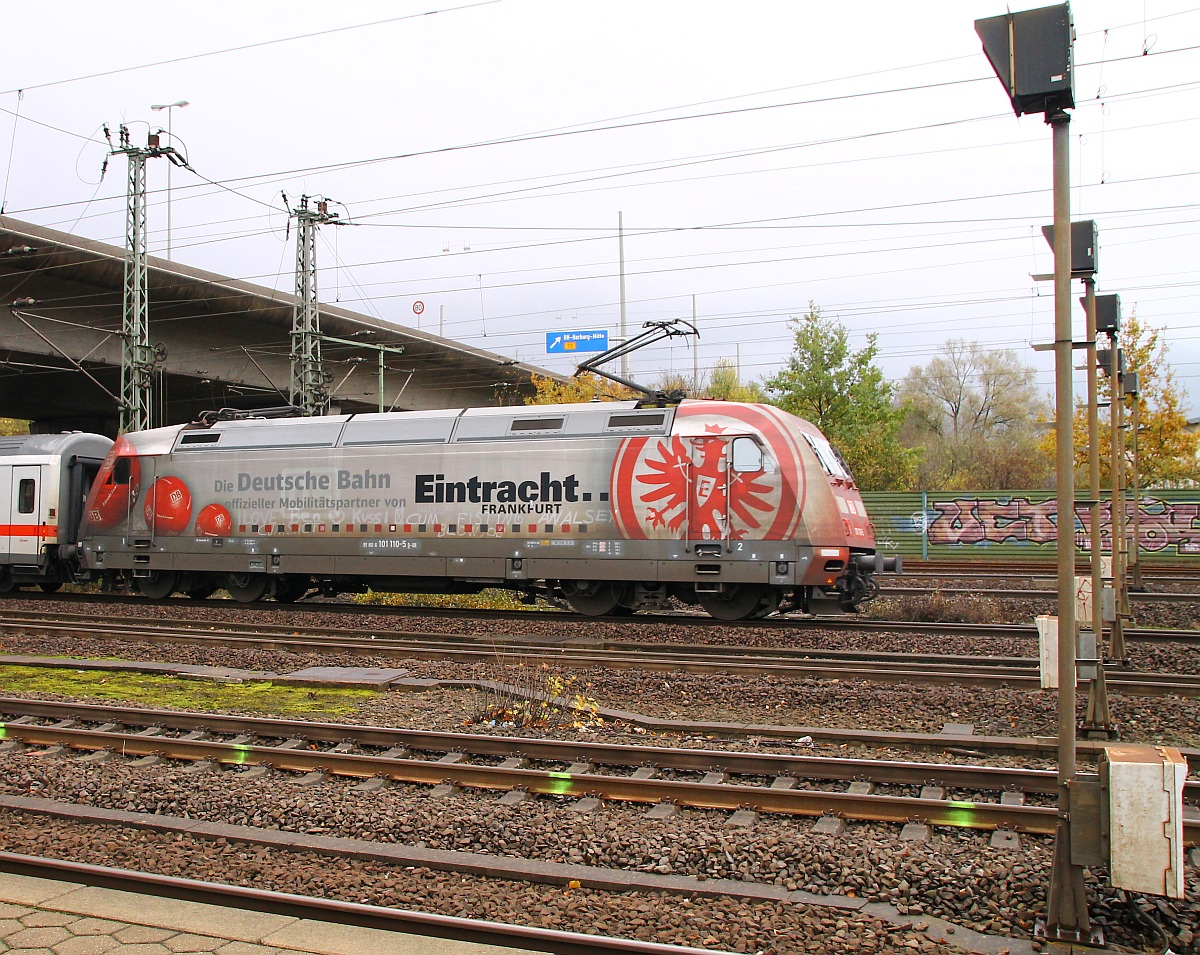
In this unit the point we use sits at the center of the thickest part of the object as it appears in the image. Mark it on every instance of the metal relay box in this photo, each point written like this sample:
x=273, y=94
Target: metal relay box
x=1145, y=817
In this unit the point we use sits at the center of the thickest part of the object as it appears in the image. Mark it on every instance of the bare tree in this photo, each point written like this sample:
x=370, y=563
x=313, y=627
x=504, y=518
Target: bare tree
x=978, y=415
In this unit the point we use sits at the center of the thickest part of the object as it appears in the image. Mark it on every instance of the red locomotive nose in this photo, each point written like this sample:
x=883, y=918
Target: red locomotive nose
x=116, y=488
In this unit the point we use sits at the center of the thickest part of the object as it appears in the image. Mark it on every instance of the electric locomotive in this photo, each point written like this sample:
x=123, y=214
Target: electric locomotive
x=603, y=507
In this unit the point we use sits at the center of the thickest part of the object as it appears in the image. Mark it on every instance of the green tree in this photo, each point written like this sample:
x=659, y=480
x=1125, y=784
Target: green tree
x=843, y=392
x=979, y=418
x=9, y=426
x=1166, y=449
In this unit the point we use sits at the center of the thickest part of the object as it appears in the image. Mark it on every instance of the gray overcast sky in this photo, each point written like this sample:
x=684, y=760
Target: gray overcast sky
x=764, y=154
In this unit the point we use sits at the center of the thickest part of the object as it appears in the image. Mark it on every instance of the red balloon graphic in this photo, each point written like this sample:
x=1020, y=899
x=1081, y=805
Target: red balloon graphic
x=169, y=506
x=214, y=521
x=116, y=488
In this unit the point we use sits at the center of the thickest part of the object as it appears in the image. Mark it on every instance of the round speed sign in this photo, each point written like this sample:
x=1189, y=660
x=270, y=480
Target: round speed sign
x=418, y=307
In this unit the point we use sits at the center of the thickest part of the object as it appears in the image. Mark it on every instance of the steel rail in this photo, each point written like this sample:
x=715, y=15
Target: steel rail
x=841, y=665
x=775, y=798
x=790, y=624
x=785, y=765
x=519, y=938
x=1026, y=747
x=722, y=796
x=170, y=629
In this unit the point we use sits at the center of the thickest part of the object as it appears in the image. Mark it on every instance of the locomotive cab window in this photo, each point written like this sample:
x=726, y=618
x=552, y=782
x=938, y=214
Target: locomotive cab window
x=122, y=470
x=25, y=496
x=748, y=457
x=830, y=460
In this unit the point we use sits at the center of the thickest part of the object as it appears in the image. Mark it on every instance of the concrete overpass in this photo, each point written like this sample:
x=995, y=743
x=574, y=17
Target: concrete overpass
x=226, y=343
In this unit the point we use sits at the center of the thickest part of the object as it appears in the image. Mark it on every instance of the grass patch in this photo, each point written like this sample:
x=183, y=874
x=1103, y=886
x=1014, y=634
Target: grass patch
x=536, y=697
x=937, y=607
x=175, y=693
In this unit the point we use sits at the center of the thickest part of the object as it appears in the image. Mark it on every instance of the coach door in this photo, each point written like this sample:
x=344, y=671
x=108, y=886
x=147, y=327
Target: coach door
x=25, y=513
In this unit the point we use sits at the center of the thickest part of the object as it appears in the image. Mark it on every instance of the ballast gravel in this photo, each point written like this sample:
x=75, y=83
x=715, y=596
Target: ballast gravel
x=958, y=876
x=710, y=697
x=727, y=923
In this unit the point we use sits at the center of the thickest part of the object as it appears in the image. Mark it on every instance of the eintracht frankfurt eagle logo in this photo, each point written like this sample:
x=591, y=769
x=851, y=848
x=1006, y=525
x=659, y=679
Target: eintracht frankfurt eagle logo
x=683, y=486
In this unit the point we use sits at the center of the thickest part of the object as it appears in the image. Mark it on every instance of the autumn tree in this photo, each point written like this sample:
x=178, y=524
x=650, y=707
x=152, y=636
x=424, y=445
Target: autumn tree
x=1166, y=449
x=676, y=382
x=10, y=426
x=725, y=385
x=721, y=384
x=843, y=392
x=579, y=388
x=979, y=417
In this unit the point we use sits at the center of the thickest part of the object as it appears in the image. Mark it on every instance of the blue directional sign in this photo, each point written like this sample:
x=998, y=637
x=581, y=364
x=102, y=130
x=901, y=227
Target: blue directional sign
x=559, y=342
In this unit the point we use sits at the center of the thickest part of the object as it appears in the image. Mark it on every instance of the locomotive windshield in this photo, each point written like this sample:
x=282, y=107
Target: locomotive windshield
x=830, y=460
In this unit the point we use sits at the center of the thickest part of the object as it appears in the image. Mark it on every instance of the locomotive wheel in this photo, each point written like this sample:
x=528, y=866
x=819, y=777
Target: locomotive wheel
x=738, y=602
x=246, y=588
x=50, y=586
x=769, y=604
x=7, y=584
x=592, y=598
x=159, y=585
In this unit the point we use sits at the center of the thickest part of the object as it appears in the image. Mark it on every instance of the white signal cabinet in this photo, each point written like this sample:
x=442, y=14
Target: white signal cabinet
x=1145, y=818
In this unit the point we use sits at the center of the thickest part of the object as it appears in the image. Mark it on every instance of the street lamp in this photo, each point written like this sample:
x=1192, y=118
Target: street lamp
x=170, y=108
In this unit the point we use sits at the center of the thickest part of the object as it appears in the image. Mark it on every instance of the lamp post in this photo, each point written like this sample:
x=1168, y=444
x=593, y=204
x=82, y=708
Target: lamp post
x=170, y=108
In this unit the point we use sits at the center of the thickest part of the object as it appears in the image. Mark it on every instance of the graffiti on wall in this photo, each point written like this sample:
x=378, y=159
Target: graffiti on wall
x=1018, y=520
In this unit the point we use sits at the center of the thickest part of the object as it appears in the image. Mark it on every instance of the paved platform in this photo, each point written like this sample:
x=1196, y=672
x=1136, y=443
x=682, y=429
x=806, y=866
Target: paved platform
x=48, y=917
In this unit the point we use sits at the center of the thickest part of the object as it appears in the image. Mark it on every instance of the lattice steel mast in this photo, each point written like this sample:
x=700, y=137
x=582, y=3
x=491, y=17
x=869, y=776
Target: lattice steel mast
x=138, y=358
x=308, y=390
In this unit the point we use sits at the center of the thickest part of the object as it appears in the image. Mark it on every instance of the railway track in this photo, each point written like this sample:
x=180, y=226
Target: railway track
x=788, y=663
x=950, y=795
x=791, y=623
x=514, y=937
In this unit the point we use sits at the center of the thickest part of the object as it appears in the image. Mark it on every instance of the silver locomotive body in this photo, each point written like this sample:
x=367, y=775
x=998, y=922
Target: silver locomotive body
x=740, y=508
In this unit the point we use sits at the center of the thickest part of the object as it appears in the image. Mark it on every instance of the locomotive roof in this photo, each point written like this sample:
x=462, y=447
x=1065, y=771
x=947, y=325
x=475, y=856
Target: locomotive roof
x=67, y=442
x=448, y=426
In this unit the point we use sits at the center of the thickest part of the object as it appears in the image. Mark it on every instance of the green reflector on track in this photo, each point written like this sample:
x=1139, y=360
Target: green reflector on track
x=961, y=814
x=561, y=783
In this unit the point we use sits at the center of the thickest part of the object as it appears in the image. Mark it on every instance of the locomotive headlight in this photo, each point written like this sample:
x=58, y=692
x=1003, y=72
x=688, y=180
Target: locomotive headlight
x=517, y=563
x=781, y=567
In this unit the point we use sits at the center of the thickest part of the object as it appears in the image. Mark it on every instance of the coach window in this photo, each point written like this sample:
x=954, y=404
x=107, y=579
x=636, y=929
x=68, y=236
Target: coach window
x=25, y=496
x=748, y=456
